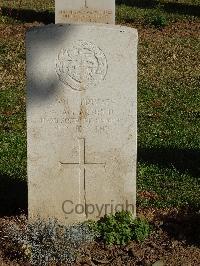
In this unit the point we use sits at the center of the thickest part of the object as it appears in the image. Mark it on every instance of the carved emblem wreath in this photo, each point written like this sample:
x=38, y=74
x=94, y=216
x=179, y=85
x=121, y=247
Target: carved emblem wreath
x=82, y=65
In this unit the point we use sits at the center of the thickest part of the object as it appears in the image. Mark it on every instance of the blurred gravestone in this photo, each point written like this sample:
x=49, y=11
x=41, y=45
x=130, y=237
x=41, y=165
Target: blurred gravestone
x=85, y=11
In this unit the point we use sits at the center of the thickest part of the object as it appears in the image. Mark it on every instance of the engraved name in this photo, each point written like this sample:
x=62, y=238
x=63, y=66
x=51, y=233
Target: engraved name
x=98, y=114
x=85, y=15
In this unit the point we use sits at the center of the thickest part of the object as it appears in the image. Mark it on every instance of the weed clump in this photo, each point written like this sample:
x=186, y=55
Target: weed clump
x=156, y=18
x=121, y=228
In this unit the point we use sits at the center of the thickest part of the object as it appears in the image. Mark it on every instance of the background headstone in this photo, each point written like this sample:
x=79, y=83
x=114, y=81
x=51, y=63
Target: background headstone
x=81, y=121
x=85, y=11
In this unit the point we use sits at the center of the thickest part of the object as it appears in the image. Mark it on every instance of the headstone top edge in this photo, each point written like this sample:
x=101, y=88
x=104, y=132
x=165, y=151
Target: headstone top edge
x=89, y=26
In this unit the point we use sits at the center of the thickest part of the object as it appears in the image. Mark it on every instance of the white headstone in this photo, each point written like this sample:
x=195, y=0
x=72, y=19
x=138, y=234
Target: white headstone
x=81, y=121
x=85, y=11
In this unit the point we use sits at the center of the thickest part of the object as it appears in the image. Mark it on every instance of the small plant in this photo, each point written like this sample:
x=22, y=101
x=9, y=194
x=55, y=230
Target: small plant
x=156, y=18
x=159, y=21
x=116, y=229
x=121, y=228
x=141, y=230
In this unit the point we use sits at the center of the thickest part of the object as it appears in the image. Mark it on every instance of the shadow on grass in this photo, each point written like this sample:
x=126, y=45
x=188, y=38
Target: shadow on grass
x=185, y=161
x=138, y=3
x=28, y=15
x=183, y=226
x=180, y=8
x=13, y=196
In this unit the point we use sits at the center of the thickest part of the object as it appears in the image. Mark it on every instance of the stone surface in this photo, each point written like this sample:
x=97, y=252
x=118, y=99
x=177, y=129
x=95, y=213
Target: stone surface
x=85, y=11
x=81, y=121
x=159, y=263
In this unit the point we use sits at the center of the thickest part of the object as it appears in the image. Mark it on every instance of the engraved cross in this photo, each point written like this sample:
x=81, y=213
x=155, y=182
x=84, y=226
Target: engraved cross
x=83, y=164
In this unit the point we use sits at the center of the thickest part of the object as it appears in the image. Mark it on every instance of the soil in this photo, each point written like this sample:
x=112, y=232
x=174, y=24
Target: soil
x=175, y=240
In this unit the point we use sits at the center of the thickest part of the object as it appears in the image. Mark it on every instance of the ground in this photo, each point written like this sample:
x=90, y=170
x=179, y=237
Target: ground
x=174, y=241
x=168, y=118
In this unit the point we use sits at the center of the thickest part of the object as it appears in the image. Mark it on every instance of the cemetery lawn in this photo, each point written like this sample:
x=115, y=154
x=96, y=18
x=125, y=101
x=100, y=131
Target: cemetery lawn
x=168, y=107
x=168, y=103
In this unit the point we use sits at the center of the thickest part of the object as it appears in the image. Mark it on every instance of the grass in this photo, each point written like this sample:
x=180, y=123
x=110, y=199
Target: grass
x=127, y=11
x=168, y=99
x=169, y=117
